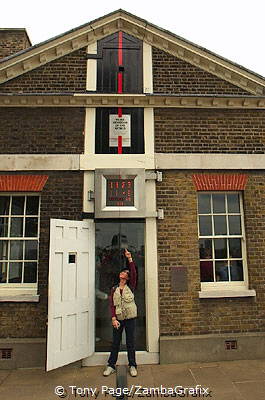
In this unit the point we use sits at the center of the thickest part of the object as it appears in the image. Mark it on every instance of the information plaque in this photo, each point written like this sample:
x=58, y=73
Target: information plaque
x=119, y=126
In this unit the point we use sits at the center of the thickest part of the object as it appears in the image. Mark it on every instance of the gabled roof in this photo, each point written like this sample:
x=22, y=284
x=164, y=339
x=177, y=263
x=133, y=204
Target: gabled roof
x=84, y=35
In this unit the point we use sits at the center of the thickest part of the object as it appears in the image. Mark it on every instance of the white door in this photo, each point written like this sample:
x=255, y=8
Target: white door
x=71, y=292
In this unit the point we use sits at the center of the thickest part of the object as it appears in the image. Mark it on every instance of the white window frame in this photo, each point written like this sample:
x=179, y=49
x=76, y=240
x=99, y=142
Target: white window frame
x=20, y=291
x=226, y=288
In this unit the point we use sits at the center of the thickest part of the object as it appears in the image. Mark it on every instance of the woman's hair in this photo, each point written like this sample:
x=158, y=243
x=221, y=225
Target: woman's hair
x=128, y=272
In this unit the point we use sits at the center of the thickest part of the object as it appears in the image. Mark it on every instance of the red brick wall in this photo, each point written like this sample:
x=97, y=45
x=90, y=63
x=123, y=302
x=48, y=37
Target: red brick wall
x=12, y=41
x=60, y=198
x=64, y=75
x=183, y=313
x=41, y=130
x=209, y=131
x=172, y=75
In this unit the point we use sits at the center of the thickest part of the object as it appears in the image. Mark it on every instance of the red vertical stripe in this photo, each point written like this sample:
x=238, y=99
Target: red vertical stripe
x=120, y=87
x=119, y=82
x=120, y=49
x=119, y=144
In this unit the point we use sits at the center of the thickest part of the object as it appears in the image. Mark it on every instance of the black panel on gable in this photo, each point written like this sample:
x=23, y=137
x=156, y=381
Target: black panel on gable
x=102, y=131
x=108, y=68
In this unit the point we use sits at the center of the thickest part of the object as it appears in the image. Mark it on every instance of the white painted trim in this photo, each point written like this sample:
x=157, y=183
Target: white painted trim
x=142, y=357
x=209, y=161
x=93, y=99
x=93, y=161
x=78, y=38
x=151, y=270
x=208, y=294
x=29, y=298
x=91, y=77
x=90, y=161
x=39, y=162
x=90, y=131
x=149, y=131
x=151, y=288
x=147, y=68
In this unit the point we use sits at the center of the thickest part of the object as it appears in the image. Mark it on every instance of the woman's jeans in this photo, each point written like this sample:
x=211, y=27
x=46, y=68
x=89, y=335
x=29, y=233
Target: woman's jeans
x=129, y=325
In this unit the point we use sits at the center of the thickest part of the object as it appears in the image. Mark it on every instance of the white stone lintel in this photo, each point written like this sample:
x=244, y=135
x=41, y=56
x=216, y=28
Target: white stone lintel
x=39, y=162
x=210, y=161
x=93, y=161
x=213, y=294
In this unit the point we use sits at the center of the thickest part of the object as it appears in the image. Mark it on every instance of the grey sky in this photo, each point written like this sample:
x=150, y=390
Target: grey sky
x=231, y=28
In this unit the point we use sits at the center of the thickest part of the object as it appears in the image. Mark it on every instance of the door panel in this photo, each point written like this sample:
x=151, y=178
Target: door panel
x=108, y=68
x=71, y=292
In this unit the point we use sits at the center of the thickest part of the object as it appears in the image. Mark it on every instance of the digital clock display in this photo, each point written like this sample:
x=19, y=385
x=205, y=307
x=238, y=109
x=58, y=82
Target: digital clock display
x=119, y=192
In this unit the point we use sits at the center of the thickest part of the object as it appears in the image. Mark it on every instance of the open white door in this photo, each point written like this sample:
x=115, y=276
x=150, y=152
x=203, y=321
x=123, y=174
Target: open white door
x=71, y=292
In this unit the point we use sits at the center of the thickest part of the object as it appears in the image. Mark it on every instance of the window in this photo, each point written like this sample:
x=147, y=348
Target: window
x=221, y=239
x=19, y=234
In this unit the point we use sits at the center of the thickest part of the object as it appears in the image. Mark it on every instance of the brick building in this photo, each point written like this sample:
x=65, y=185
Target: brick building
x=121, y=134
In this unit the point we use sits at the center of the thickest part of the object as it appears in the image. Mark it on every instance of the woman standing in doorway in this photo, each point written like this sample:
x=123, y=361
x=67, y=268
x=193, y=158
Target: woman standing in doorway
x=123, y=313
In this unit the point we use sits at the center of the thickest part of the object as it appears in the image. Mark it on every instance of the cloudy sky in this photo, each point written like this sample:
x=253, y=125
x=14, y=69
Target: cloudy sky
x=231, y=28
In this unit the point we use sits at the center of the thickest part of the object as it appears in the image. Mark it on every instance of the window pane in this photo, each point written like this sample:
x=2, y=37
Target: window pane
x=16, y=227
x=235, y=250
x=218, y=203
x=221, y=271
x=3, y=272
x=4, y=205
x=16, y=250
x=31, y=228
x=3, y=249
x=220, y=224
x=30, y=272
x=15, y=272
x=3, y=227
x=205, y=226
x=32, y=207
x=234, y=224
x=206, y=268
x=205, y=248
x=31, y=249
x=236, y=269
x=204, y=203
x=220, y=248
x=17, y=205
x=233, y=203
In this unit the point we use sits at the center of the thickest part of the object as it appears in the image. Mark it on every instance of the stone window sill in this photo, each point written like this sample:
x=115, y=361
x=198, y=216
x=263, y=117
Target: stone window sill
x=28, y=298
x=212, y=294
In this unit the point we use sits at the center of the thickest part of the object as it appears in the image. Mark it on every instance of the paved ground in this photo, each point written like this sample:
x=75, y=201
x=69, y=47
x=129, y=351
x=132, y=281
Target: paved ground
x=226, y=380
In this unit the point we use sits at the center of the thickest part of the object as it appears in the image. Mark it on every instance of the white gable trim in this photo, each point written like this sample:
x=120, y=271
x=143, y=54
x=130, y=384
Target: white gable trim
x=154, y=36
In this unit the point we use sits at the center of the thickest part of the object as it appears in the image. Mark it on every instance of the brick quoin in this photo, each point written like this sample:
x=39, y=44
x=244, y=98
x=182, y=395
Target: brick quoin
x=219, y=181
x=22, y=183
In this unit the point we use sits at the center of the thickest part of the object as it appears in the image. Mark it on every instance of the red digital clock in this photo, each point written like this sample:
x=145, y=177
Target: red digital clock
x=119, y=192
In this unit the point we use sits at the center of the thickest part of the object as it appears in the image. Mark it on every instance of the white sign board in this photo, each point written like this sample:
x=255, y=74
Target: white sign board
x=119, y=126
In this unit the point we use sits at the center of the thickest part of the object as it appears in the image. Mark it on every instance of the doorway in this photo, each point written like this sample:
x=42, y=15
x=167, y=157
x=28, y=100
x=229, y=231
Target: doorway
x=112, y=237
